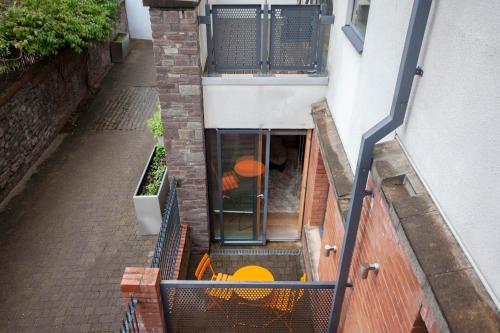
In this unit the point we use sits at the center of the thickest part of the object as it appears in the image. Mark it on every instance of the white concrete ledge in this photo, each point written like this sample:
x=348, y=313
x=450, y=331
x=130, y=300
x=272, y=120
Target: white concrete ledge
x=257, y=80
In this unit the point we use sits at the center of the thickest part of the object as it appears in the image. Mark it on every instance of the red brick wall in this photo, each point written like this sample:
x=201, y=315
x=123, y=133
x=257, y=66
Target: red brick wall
x=333, y=234
x=183, y=254
x=389, y=300
x=317, y=186
x=143, y=284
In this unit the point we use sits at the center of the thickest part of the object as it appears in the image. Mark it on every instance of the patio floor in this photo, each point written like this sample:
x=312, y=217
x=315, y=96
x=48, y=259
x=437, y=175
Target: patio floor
x=286, y=263
x=66, y=239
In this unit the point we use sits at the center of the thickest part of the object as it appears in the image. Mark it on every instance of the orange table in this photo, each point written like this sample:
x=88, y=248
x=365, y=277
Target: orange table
x=250, y=274
x=246, y=166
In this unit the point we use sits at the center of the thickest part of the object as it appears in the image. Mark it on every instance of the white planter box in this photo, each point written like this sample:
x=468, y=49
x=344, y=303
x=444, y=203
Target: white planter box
x=149, y=208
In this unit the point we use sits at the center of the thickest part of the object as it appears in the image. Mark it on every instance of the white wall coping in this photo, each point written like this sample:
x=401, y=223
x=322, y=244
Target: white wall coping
x=271, y=80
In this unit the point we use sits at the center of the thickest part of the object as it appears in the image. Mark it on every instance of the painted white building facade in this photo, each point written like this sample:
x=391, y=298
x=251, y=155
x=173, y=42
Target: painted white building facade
x=139, y=22
x=451, y=128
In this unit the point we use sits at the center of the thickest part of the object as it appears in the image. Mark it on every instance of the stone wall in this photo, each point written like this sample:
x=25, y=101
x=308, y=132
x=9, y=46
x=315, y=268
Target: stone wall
x=36, y=107
x=178, y=74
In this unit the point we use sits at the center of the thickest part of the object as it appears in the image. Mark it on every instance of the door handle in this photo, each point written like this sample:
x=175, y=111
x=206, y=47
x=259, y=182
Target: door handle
x=261, y=196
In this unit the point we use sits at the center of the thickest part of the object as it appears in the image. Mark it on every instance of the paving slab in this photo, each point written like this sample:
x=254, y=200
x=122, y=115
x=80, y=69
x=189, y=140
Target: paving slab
x=67, y=237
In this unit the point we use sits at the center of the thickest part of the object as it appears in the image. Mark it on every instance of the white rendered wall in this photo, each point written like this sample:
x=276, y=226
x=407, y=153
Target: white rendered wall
x=139, y=24
x=361, y=86
x=260, y=106
x=452, y=126
x=452, y=132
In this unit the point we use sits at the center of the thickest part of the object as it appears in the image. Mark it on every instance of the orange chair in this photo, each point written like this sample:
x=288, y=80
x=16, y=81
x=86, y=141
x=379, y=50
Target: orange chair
x=202, y=267
x=229, y=179
x=215, y=294
x=283, y=301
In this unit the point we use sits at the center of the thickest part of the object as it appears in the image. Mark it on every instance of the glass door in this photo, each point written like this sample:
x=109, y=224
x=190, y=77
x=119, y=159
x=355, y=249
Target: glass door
x=242, y=184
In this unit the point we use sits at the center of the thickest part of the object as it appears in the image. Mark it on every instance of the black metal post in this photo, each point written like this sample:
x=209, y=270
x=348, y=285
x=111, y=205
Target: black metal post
x=411, y=51
x=208, y=25
x=321, y=42
x=265, y=47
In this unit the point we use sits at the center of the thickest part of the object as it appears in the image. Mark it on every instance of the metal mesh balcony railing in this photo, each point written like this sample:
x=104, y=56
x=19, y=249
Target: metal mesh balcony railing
x=293, y=37
x=254, y=38
x=207, y=306
x=237, y=32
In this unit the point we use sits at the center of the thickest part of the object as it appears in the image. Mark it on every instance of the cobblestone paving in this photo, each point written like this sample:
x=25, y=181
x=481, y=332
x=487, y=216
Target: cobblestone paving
x=128, y=110
x=66, y=239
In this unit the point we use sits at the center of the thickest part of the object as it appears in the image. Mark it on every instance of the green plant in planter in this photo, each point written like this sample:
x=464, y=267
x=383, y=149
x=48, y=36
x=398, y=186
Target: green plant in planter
x=120, y=37
x=154, y=123
x=155, y=172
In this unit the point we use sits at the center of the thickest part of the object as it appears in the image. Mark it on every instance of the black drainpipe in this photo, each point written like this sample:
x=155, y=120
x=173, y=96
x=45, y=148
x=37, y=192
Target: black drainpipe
x=407, y=71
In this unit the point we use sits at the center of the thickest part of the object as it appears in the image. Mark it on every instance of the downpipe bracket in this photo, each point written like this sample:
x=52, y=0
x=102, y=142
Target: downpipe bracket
x=419, y=71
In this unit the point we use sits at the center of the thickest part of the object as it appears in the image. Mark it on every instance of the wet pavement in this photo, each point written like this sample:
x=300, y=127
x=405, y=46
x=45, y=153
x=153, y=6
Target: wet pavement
x=67, y=237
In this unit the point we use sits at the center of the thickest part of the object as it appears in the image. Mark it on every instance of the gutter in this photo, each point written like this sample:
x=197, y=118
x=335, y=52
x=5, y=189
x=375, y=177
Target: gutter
x=407, y=70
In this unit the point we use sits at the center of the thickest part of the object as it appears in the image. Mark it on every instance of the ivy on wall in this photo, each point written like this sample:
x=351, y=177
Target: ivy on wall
x=40, y=28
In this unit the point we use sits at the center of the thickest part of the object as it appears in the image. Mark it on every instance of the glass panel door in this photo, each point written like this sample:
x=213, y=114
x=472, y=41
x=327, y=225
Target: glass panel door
x=242, y=177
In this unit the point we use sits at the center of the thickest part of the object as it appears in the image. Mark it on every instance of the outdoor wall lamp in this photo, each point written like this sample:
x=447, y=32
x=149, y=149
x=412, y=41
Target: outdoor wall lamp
x=366, y=267
x=328, y=249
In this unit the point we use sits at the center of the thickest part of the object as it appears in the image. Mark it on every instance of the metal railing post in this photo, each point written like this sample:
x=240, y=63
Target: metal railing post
x=321, y=41
x=265, y=47
x=324, y=20
x=208, y=25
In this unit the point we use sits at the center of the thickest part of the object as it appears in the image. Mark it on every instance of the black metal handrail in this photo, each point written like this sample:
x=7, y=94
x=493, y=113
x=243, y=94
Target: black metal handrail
x=167, y=244
x=130, y=323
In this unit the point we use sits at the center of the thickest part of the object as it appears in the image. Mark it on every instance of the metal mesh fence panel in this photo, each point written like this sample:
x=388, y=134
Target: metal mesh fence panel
x=167, y=244
x=237, y=36
x=219, y=307
x=293, y=37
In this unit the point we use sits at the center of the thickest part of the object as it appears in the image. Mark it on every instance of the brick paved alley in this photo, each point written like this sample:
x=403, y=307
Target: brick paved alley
x=66, y=239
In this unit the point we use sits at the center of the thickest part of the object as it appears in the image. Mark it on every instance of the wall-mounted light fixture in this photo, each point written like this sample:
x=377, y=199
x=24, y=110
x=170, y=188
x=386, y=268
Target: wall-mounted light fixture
x=366, y=267
x=328, y=249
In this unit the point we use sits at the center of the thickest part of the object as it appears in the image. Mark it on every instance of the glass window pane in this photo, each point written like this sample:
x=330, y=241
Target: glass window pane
x=360, y=15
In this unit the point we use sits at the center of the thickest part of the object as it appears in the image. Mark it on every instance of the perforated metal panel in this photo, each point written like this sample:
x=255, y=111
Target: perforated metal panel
x=302, y=307
x=293, y=37
x=237, y=36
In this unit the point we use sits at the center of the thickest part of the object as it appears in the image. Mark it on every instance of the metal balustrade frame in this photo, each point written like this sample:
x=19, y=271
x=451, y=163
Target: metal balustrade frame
x=254, y=38
x=190, y=306
x=167, y=244
x=293, y=42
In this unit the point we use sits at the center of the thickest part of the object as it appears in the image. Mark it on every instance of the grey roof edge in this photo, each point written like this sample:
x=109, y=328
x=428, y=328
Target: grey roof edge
x=451, y=287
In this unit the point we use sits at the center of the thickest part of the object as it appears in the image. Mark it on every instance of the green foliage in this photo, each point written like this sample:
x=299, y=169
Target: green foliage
x=155, y=172
x=120, y=37
x=43, y=27
x=154, y=123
